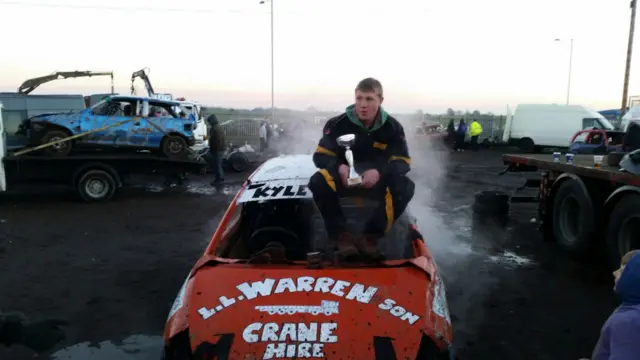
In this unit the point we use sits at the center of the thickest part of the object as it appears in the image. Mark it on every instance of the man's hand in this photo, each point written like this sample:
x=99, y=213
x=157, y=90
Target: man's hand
x=41, y=336
x=343, y=171
x=370, y=178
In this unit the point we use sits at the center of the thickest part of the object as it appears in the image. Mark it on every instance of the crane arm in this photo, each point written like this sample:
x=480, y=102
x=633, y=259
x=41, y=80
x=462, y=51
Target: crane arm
x=142, y=74
x=31, y=84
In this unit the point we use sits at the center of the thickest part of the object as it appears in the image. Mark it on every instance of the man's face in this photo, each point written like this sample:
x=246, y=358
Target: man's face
x=367, y=105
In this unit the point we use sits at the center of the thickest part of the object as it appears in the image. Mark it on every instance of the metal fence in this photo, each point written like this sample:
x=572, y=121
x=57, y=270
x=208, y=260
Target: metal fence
x=241, y=131
x=238, y=128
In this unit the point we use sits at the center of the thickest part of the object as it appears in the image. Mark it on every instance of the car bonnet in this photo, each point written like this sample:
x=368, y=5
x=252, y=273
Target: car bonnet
x=297, y=312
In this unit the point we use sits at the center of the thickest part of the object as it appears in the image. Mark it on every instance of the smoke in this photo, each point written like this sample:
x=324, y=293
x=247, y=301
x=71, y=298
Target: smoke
x=445, y=225
x=449, y=234
x=302, y=138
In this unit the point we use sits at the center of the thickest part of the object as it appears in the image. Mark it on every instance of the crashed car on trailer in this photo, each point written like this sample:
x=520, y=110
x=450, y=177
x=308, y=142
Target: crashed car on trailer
x=116, y=122
x=267, y=287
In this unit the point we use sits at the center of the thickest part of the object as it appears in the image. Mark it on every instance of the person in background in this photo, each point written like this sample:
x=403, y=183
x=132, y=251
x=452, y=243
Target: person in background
x=39, y=336
x=217, y=146
x=620, y=335
x=475, y=130
x=451, y=133
x=461, y=133
x=631, y=139
x=263, y=136
x=183, y=115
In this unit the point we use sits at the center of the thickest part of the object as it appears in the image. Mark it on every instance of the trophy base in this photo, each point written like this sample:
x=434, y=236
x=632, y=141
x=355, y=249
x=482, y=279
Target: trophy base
x=354, y=181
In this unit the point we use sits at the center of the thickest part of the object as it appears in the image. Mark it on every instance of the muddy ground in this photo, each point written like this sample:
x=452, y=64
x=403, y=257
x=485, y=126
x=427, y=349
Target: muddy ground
x=113, y=269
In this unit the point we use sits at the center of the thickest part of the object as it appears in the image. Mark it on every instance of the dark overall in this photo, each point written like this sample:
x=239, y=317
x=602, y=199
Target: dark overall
x=384, y=148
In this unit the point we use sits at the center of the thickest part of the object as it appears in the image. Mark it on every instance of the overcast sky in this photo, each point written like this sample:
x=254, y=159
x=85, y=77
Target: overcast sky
x=429, y=54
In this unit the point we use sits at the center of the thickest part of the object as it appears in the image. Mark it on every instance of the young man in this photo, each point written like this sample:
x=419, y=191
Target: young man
x=382, y=159
x=620, y=335
x=217, y=146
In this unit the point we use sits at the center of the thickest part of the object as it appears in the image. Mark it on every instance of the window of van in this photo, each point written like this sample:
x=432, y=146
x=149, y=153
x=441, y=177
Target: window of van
x=597, y=123
x=12, y=119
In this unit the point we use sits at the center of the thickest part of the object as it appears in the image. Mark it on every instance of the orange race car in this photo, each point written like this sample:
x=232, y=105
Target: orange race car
x=266, y=286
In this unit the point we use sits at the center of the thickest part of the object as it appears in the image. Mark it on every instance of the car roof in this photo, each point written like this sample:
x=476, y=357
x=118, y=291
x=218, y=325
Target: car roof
x=282, y=177
x=131, y=97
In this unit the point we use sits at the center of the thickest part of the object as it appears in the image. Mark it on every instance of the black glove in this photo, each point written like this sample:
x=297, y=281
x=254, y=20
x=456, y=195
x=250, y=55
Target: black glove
x=41, y=336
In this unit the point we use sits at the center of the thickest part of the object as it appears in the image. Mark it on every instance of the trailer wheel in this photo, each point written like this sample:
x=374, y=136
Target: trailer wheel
x=174, y=146
x=573, y=217
x=96, y=185
x=623, y=232
x=61, y=149
x=526, y=145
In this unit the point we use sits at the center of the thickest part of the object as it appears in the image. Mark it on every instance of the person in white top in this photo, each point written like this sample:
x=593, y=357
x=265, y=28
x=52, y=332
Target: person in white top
x=263, y=136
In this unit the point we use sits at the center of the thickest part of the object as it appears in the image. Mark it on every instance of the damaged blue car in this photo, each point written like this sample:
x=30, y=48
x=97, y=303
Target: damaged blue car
x=122, y=122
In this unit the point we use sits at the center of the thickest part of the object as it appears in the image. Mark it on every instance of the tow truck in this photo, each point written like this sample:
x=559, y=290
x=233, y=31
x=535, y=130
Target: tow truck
x=95, y=175
x=585, y=208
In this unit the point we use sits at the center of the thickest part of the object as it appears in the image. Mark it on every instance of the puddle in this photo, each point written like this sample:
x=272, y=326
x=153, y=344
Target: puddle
x=199, y=189
x=230, y=189
x=134, y=347
x=511, y=259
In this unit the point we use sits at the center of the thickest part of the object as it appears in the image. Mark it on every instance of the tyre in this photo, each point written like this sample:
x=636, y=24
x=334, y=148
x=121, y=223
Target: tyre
x=526, y=145
x=59, y=150
x=429, y=351
x=96, y=185
x=573, y=217
x=623, y=232
x=174, y=146
x=491, y=203
x=238, y=162
x=178, y=348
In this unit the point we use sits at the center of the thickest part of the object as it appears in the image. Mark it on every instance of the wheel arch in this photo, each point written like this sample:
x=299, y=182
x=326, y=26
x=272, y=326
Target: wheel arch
x=96, y=166
x=616, y=196
x=173, y=133
x=564, y=177
x=53, y=126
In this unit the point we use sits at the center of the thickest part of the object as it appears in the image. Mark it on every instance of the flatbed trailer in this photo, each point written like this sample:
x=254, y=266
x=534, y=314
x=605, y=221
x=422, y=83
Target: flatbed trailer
x=585, y=209
x=96, y=176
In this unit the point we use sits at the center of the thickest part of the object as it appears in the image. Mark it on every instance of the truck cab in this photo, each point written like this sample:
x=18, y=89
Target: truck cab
x=194, y=110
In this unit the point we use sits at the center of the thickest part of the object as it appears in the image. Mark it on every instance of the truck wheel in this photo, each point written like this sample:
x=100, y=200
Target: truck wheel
x=623, y=232
x=573, y=217
x=174, y=146
x=96, y=185
x=61, y=149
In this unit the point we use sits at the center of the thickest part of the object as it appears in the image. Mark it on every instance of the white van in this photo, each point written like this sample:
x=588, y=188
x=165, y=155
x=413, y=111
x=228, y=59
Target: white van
x=537, y=126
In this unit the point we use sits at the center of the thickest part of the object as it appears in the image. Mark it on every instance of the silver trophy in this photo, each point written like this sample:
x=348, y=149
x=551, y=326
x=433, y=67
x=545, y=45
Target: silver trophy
x=346, y=141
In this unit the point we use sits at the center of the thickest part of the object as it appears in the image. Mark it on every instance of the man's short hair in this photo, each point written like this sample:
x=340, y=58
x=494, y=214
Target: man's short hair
x=628, y=256
x=370, y=85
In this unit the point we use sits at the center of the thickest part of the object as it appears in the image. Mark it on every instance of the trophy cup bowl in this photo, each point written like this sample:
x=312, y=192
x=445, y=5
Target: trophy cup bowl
x=346, y=141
